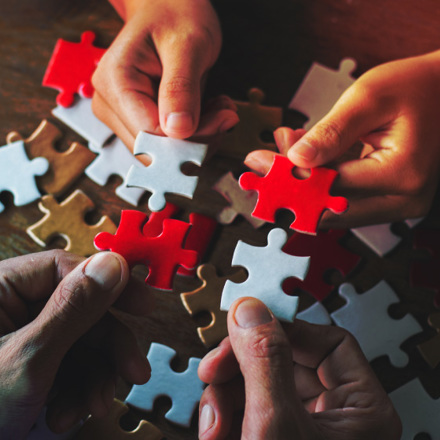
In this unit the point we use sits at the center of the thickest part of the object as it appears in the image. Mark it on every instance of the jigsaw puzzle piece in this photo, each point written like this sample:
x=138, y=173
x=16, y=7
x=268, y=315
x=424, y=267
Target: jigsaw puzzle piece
x=242, y=202
x=71, y=67
x=164, y=174
x=184, y=389
x=115, y=159
x=315, y=314
x=206, y=298
x=66, y=219
x=320, y=89
x=325, y=253
x=267, y=268
x=65, y=166
x=430, y=350
x=306, y=198
x=417, y=410
x=18, y=173
x=109, y=428
x=366, y=317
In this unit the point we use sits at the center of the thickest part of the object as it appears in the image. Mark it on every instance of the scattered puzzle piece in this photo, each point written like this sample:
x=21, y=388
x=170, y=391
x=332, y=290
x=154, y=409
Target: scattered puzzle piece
x=320, y=89
x=417, y=410
x=207, y=298
x=315, y=314
x=71, y=67
x=81, y=119
x=65, y=167
x=268, y=267
x=184, y=389
x=108, y=427
x=67, y=220
x=18, y=173
x=366, y=317
x=325, y=253
x=306, y=198
x=164, y=174
x=115, y=159
x=162, y=254
x=430, y=350
x=242, y=202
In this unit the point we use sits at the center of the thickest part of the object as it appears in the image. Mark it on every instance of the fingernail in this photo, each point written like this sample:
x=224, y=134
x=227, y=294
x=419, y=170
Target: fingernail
x=256, y=165
x=179, y=121
x=206, y=420
x=105, y=269
x=252, y=313
x=228, y=124
x=303, y=149
x=67, y=419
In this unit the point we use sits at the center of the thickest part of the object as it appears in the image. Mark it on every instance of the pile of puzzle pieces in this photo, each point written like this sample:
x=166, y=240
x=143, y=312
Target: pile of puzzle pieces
x=294, y=260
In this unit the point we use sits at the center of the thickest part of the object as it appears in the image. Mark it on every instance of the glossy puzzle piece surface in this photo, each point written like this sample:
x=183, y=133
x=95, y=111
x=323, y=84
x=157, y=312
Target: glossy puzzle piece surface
x=255, y=119
x=109, y=428
x=206, y=298
x=66, y=219
x=315, y=314
x=71, y=67
x=184, y=389
x=366, y=317
x=164, y=174
x=115, y=159
x=65, y=166
x=430, y=349
x=162, y=254
x=325, y=253
x=267, y=266
x=418, y=411
x=306, y=198
x=18, y=172
x=242, y=202
x=320, y=89
x=81, y=119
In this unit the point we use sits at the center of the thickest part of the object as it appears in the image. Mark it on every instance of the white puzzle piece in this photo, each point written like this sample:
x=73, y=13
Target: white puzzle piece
x=267, y=266
x=115, y=159
x=366, y=316
x=315, y=314
x=164, y=174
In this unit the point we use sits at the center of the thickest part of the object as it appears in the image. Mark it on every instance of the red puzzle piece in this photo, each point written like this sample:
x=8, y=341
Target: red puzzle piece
x=307, y=198
x=71, y=67
x=162, y=254
x=325, y=253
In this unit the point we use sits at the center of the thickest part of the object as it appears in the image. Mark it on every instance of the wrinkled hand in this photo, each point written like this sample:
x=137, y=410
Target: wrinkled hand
x=393, y=110
x=151, y=77
x=310, y=382
x=58, y=346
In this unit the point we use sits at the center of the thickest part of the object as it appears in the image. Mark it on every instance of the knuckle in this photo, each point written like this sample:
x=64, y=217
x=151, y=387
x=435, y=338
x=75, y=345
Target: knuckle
x=71, y=300
x=270, y=345
x=329, y=133
x=178, y=85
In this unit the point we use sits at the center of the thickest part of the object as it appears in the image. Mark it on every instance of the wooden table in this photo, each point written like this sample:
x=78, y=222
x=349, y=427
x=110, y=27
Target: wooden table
x=270, y=45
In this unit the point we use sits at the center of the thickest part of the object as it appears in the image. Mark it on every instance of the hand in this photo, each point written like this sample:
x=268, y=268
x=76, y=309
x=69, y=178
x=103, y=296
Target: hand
x=58, y=346
x=312, y=382
x=393, y=110
x=151, y=78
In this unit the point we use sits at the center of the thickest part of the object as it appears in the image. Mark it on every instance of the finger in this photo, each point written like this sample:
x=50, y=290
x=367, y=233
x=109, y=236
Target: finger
x=285, y=137
x=136, y=299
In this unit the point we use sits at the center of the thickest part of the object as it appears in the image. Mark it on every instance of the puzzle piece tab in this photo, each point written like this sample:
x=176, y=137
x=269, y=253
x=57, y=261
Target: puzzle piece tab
x=18, y=173
x=366, y=317
x=164, y=174
x=184, y=389
x=267, y=267
x=162, y=254
x=65, y=166
x=67, y=220
x=71, y=67
x=306, y=198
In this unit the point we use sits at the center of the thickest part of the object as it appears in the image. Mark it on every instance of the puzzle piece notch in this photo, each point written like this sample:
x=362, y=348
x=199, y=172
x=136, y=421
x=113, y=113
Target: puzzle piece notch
x=164, y=174
x=65, y=166
x=109, y=428
x=306, y=198
x=430, y=349
x=326, y=252
x=366, y=317
x=207, y=298
x=161, y=254
x=18, y=173
x=267, y=267
x=71, y=67
x=66, y=219
x=184, y=389
x=242, y=202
